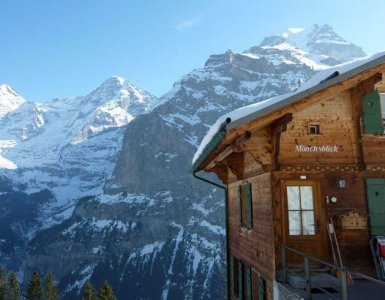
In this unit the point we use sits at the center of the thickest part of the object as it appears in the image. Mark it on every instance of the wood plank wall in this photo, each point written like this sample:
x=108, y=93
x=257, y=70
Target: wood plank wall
x=337, y=128
x=255, y=247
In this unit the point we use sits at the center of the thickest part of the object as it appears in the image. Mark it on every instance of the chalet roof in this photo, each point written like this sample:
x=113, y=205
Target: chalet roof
x=246, y=114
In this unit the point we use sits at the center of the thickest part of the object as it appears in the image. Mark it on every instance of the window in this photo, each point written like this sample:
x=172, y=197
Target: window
x=245, y=205
x=314, y=128
x=242, y=280
x=300, y=205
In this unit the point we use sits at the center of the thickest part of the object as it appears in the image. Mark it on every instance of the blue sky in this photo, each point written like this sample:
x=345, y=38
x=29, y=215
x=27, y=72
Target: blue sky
x=68, y=47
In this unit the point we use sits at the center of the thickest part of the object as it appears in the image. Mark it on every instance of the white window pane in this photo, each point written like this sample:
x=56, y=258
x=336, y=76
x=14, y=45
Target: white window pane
x=294, y=223
x=307, y=197
x=293, y=198
x=308, y=226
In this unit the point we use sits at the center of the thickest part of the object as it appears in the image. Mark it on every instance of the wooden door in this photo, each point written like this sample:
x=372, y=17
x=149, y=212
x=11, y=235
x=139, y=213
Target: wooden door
x=304, y=223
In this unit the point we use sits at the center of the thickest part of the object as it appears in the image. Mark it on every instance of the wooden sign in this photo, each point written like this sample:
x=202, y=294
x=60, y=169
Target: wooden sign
x=353, y=220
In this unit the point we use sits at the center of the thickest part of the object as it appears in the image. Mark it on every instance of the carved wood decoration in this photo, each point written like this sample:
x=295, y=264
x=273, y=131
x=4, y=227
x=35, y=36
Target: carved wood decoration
x=277, y=128
x=221, y=171
x=234, y=147
x=236, y=163
x=380, y=86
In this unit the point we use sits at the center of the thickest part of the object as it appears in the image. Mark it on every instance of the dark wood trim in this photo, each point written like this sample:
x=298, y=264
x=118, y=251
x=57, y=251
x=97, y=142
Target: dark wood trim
x=235, y=162
x=234, y=147
x=277, y=128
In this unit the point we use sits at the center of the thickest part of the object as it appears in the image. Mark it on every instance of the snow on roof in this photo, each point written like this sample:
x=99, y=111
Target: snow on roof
x=314, y=84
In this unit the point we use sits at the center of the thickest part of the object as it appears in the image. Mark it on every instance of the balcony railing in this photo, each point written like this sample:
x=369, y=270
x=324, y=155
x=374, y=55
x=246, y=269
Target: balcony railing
x=307, y=271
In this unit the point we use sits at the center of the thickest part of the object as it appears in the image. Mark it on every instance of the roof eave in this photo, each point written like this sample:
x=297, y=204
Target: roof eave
x=221, y=134
x=319, y=87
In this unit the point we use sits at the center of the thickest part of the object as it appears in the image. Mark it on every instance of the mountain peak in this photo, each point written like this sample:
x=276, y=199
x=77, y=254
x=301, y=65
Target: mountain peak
x=6, y=89
x=116, y=81
x=323, y=40
x=273, y=40
x=9, y=99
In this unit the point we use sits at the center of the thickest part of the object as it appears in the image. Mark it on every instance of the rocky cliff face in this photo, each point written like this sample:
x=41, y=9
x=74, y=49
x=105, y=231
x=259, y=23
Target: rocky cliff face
x=146, y=224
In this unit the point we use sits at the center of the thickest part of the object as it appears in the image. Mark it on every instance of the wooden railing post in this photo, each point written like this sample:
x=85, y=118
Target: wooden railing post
x=284, y=263
x=344, y=285
x=307, y=277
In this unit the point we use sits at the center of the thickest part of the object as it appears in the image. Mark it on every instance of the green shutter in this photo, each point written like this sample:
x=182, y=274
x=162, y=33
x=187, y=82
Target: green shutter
x=249, y=204
x=372, y=115
x=232, y=268
x=240, y=205
x=249, y=286
x=375, y=191
x=261, y=288
x=240, y=280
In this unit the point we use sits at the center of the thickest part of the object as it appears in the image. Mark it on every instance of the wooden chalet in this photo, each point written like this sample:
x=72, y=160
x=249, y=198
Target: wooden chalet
x=292, y=166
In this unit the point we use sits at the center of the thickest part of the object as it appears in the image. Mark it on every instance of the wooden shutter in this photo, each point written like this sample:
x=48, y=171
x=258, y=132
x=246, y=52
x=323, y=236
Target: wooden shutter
x=240, y=281
x=240, y=205
x=375, y=191
x=249, y=286
x=372, y=115
x=249, y=204
x=261, y=288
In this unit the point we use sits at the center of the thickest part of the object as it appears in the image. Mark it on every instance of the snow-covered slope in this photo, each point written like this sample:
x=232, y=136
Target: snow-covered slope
x=60, y=145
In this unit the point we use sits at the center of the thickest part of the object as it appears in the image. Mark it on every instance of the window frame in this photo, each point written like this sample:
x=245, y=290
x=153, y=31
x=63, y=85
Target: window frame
x=301, y=210
x=315, y=125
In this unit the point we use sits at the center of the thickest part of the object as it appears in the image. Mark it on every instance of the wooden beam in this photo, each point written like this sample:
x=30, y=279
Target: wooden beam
x=277, y=128
x=236, y=164
x=234, y=147
x=221, y=171
x=380, y=86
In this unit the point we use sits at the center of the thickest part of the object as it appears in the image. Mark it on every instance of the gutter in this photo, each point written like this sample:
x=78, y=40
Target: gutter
x=214, y=142
x=227, y=227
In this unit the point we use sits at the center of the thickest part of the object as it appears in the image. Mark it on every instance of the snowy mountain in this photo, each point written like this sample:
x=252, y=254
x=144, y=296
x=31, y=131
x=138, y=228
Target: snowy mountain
x=110, y=173
x=329, y=48
x=9, y=100
x=59, y=145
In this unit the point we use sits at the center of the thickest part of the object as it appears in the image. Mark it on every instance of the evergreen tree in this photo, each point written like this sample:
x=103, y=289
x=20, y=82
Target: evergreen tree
x=14, y=287
x=34, y=291
x=3, y=284
x=106, y=292
x=89, y=292
x=50, y=291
